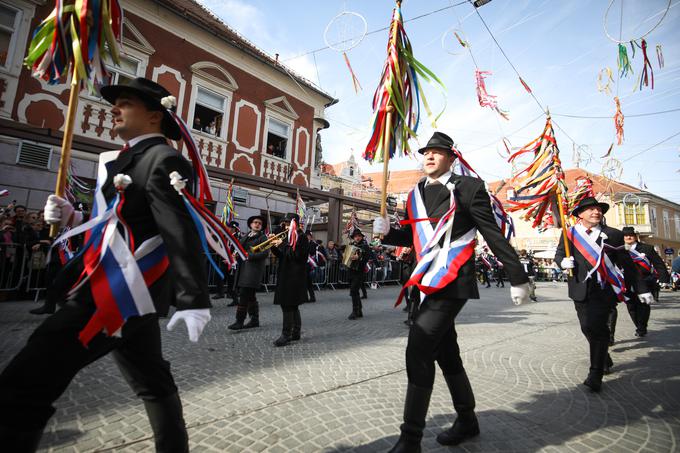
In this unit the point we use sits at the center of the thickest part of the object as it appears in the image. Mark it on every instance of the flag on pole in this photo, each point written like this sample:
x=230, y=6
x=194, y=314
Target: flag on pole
x=228, y=212
x=301, y=210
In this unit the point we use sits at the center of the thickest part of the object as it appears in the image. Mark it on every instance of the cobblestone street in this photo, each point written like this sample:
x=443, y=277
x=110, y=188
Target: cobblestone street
x=341, y=388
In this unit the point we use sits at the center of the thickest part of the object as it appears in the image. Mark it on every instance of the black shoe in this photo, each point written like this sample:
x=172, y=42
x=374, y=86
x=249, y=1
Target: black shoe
x=254, y=322
x=218, y=296
x=237, y=325
x=44, y=310
x=533, y=298
x=312, y=299
x=594, y=382
x=283, y=340
x=364, y=296
x=408, y=322
x=233, y=303
x=353, y=315
x=641, y=332
x=460, y=431
x=488, y=286
x=608, y=365
x=360, y=313
x=405, y=446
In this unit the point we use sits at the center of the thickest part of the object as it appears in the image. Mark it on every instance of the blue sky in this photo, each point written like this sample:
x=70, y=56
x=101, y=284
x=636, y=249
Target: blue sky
x=557, y=46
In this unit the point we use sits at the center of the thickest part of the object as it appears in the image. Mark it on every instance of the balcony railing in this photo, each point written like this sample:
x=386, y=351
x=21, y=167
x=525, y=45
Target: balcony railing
x=275, y=168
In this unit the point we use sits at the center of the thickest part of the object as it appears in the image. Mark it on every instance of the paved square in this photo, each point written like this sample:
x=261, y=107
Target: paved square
x=341, y=388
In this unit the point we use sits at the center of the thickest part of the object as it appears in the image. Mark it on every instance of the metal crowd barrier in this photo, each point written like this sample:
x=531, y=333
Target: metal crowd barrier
x=12, y=266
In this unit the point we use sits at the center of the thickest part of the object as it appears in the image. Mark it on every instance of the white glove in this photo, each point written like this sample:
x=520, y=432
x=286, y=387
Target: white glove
x=646, y=298
x=381, y=226
x=567, y=262
x=520, y=293
x=195, y=320
x=60, y=211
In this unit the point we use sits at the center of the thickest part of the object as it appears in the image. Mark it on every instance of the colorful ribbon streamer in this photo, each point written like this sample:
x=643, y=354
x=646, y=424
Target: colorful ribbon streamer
x=355, y=80
x=659, y=55
x=618, y=122
x=76, y=37
x=486, y=99
x=400, y=89
x=623, y=62
x=605, y=80
x=525, y=85
x=537, y=185
x=647, y=71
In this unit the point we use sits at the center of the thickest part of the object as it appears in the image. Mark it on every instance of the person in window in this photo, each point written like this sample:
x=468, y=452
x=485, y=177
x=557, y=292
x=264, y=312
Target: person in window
x=197, y=124
x=211, y=129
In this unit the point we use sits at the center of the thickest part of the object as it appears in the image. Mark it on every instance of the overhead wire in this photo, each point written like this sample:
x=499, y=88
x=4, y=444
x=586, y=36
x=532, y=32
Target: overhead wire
x=378, y=30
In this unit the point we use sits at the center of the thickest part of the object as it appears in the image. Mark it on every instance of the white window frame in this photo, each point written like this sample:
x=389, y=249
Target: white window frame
x=228, y=96
x=666, y=223
x=269, y=114
x=142, y=61
x=652, y=218
x=677, y=225
x=14, y=39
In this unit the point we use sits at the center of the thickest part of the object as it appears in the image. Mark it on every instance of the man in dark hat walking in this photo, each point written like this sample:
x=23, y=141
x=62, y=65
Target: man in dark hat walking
x=445, y=275
x=291, y=291
x=356, y=272
x=653, y=271
x=597, y=260
x=249, y=275
x=158, y=220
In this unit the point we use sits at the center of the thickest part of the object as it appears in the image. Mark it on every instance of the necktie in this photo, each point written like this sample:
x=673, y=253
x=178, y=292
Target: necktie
x=588, y=231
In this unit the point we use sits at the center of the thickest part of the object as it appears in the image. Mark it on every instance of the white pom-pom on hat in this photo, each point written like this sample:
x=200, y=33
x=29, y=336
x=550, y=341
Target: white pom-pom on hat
x=121, y=181
x=169, y=102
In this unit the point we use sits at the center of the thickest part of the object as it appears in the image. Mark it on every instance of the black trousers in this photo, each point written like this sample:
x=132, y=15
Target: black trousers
x=639, y=313
x=356, y=281
x=593, y=316
x=432, y=338
x=53, y=355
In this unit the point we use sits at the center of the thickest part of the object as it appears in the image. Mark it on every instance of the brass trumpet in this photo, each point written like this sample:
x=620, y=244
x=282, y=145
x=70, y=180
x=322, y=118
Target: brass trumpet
x=269, y=243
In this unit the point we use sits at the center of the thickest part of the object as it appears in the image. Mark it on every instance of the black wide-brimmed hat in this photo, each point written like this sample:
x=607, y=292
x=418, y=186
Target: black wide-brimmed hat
x=255, y=217
x=152, y=94
x=439, y=140
x=356, y=232
x=588, y=202
x=628, y=231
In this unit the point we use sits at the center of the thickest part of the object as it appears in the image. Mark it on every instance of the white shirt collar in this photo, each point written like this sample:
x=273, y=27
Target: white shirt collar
x=594, y=231
x=443, y=179
x=138, y=139
x=633, y=245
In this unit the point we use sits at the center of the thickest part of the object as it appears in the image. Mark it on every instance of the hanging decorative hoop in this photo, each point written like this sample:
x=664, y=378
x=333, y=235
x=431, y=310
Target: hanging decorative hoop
x=345, y=31
x=624, y=41
x=612, y=169
x=452, y=39
x=504, y=148
x=582, y=155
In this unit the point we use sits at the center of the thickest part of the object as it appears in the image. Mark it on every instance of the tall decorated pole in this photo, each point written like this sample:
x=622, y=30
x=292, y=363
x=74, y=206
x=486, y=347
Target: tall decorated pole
x=75, y=40
x=541, y=185
x=396, y=102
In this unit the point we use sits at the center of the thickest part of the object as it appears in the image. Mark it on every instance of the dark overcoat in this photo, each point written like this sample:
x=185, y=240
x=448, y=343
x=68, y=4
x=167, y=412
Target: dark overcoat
x=250, y=271
x=291, y=276
x=580, y=289
x=153, y=207
x=473, y=209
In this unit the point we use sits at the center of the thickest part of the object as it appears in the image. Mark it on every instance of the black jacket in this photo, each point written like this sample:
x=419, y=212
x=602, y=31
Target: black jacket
x=250, y=271
x=152, y=206
x=581, y=289
x=657, y=263
x=291, y=276
x=473, y=210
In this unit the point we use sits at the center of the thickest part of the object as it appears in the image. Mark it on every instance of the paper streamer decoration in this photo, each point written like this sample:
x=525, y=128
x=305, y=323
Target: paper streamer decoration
x=618, y=121
x=486, y=99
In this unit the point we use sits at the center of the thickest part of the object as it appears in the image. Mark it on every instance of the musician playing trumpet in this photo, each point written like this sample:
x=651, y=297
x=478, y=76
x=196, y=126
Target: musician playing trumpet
x=249, y=275
x=358, y=256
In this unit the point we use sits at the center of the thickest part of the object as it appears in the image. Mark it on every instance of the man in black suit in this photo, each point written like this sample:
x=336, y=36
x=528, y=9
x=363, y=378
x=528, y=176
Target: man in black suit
x=653, y=270
x=356, y=272
x=249, y=275
x=433, y=335
x=152, y=210
x=594, y=295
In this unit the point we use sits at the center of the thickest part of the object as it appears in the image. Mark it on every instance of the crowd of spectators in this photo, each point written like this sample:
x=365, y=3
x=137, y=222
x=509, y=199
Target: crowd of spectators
x=24, y=244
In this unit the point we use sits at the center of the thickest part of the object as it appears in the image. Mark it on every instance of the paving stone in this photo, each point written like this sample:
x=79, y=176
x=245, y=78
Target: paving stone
x=341, y=388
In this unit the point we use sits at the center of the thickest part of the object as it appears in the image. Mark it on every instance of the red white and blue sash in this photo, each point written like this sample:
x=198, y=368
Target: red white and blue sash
x=607, y=272
x=437, y=265
x=643, y=263
x=118, y=278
